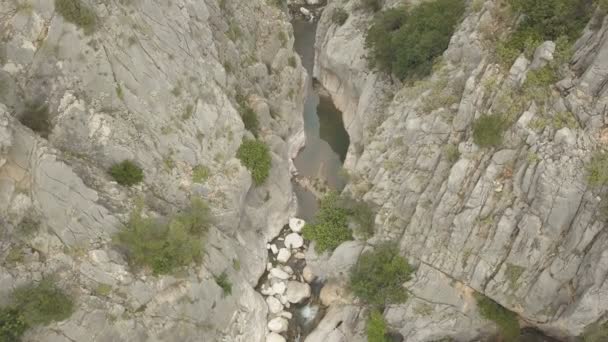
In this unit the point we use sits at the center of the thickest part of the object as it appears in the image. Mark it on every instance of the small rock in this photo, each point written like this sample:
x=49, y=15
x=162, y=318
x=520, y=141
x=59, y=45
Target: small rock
x=274, y=337
x=307, y=274
x=267, y=291
x=300, y=255
x=279, y=288
x=288, y=269
x=296, y=224
x=334, y=293
x=274, y=305
x=274, y=249
x=284, y=301
x=297, y=292
x=294, y=241
x=268, y=266
x=278, y=273
x=286, y=314
x=267, y=246
x=284, y=255
x=278, y=324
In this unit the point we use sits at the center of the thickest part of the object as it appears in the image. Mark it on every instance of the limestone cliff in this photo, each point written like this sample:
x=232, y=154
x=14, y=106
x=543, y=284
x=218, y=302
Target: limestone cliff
x=156, y=82
x=517, y=223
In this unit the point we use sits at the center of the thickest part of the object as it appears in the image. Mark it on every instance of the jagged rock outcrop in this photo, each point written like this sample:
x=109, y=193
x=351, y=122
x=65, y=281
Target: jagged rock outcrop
x=155, y=82
x=517, y=223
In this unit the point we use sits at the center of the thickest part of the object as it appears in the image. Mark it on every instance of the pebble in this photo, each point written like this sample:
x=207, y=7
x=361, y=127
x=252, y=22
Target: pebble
x=284, y=255
x=294, y=241
x=279, y=288
x=274, y=305
x=274, y=249
x=278, y=324
x=297, y=292
x=286, y=314
x=296, y=224
x=307, y=274
x=274, y=337
x=278, y=273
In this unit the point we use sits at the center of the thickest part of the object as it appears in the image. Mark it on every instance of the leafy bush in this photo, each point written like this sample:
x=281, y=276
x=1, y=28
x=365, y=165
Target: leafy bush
x=596, y=332
x=360, y=214
x=376, y=327
x=339, y=16
x=42, y=303
x=223, y=282
x=488, y=130
x=78, y=13
x=597, y=169
x=255, y=155
x=250, y=119
x=504, y=319
x=544, y=20
x=36, y=117
x=407, y=43
x=200, y=173
x=371, y=5
x=378, y=276
x=126, y=173
x=330, y=227
x=452, y=153
x=165, y=246
x=12, y=325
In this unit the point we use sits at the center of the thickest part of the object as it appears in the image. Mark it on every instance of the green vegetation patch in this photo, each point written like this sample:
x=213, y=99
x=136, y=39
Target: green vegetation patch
x=249, y=116
x=597, y=169
x=596, y=332
x=12, y=325
x=78, y=13
x=165, y=246
x=127, y=173
x=488, y=130
x=200, y=173
x=35, y=116
x=223, y=282
x=406, y=43
x=376, y=327
x=378, y=276
x=542, y=20
x=505, y=320
x=339, y=16
x=255, y=155
x=330, y=227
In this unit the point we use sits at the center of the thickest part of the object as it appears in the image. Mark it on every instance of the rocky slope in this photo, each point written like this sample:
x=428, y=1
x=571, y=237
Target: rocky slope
x=155, y=82
x=517, y=223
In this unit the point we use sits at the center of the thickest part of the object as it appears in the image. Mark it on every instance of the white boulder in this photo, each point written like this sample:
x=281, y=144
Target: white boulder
x=274, y=337
x=294, y=241
x=278, y=324
x=274, y=305
x=296, y=225
x=297, y=292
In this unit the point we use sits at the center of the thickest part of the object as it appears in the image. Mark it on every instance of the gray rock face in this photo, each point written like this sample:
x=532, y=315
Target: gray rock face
x=156, y=82
x=517, y=223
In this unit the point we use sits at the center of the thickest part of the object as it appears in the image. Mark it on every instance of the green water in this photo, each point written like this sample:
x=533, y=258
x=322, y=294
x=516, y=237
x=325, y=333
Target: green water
x=326, y=139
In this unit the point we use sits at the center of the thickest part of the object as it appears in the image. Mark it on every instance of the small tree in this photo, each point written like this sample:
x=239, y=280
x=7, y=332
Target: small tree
x=597, y=169
x=78, y=13
x=42, y=303
x=378, y=276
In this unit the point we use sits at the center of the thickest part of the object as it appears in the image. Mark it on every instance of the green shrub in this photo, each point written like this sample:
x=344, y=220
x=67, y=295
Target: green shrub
x=330, y=227
x=488, y=130
x=36, y=117
x=543, y=20
x=250, y=119
x=339, y=16
x=376, y=328
x=597, y=169
x=255, y=155
x=165, y=246
x=223, y=282
x=596, y=332
x=78, y=13
x=406, y=44
x=378, y=276
x=42, y=303
x=371, y=5
x=126, y=173
x=452, y=153
x=505, y=320
x=200, y=173
x=360, y=214
x=12, y=325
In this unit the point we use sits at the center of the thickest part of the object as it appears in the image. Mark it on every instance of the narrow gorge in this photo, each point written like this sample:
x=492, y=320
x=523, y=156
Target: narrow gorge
x=303, y=170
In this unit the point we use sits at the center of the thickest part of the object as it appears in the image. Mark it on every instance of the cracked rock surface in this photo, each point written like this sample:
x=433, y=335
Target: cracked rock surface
x=155, y=82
